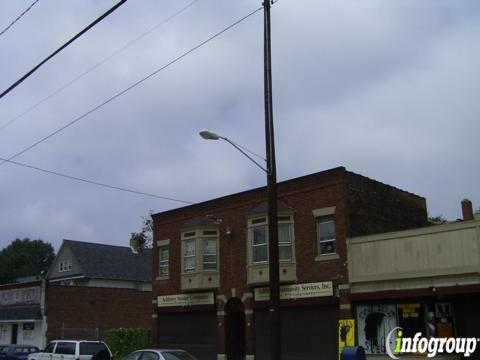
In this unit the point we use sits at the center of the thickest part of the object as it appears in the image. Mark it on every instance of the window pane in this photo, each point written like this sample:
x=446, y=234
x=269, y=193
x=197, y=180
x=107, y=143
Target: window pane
x=259, y=235
x=285, y=253
x=327, y=229
x=260, y=253
x=210, y=246
x=189, y=263
x=284, y=234
x=164, y=253
x=189, y=248
x=328, y=247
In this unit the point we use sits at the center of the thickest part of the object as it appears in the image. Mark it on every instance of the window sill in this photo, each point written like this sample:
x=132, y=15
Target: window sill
x=327, y=257
x=162, y=278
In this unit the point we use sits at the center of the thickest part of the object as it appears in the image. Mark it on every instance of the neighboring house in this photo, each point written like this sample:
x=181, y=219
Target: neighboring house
x=424, y=280
x=22, y=313
x=96, y=287
x=210, y=264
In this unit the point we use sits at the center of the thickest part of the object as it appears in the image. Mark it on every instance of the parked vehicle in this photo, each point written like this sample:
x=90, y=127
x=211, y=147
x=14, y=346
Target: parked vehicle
x=160, y=354
x=16, y=352
x=73, y=350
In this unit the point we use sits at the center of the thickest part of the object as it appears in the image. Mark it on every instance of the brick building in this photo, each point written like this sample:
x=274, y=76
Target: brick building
x=210, y=264
x=92, y=288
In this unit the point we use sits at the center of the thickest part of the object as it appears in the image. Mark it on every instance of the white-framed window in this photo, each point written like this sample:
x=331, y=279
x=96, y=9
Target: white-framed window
x=326, y=238
x=65, y=265
x=258, y=235
x=163, y=260
x=200, y=250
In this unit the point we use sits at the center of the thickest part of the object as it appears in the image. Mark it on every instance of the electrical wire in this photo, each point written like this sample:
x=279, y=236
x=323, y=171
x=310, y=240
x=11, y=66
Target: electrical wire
x=95, y=22
x=18, y=18
x=86, y=72
x=92, y=182
x=129, y=87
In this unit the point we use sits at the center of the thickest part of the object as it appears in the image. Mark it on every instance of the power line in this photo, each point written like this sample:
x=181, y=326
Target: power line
x=18, y=18
x=171, y=17
x=130, y=87
x=91, y=182
x=95, y=22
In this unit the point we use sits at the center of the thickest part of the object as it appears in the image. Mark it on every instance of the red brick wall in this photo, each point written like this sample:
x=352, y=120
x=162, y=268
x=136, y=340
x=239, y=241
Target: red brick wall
x=363, y=206
x=91, y=308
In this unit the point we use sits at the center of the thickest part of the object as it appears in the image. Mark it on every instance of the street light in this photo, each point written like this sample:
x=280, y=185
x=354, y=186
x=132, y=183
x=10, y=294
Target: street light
x=270, y=170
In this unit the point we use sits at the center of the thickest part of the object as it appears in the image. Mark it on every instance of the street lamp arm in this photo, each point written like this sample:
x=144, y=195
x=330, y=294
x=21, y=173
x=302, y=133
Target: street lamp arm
x=244, y=153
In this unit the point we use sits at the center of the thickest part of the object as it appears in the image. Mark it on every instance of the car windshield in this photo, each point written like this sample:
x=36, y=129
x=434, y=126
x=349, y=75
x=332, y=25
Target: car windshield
x=177, y=355
x=4, y=349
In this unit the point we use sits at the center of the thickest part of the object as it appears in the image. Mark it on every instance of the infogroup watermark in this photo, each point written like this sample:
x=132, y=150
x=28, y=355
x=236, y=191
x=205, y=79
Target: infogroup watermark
x=430, y=346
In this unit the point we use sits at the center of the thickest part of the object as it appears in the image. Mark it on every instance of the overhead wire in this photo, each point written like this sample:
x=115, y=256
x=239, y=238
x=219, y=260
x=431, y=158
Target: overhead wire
x=178, y=58
x=92, y=182
x=19, y=17
x=92, y=24
x=98, y=64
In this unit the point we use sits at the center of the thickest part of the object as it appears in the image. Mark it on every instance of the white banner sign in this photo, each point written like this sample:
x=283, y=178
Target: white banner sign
x=29, y=295
x=186, y=299
x=297, y=291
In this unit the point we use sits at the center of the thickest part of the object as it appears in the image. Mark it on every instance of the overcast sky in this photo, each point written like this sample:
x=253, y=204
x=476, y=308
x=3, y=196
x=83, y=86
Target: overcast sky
x=388, y=89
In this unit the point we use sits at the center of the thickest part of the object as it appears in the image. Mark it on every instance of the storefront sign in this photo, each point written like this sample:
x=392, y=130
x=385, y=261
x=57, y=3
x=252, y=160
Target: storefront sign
x=29, y=295
x=28, y=326
x=297, y=291
x=186, y=299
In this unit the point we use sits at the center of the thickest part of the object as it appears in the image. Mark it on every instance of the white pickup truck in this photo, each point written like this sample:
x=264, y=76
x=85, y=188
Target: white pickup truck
x=73, y=350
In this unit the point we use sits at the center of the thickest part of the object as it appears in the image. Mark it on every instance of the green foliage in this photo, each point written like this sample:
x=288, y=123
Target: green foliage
x=25, y=258
x=144, y=238
x=437, y=220
x=123, y=341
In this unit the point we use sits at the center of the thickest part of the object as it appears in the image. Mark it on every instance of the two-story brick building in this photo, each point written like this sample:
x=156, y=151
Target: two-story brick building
x=210, y=264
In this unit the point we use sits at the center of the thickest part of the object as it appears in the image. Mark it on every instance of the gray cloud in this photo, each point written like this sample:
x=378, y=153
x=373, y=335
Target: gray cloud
x=387, y=89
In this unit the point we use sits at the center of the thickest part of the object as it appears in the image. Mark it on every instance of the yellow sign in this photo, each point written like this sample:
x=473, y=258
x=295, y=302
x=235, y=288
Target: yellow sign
x=186, y=299
x=346, y=334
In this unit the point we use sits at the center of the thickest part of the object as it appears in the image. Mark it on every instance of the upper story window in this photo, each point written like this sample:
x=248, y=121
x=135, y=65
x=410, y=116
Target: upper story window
x=326, y=233
x=163, y=260
x=199, y=249
x=65, y=265
x=258, y=235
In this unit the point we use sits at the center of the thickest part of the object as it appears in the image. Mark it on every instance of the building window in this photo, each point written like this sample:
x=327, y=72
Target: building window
x=258, y=232
x=326, y=235
x=189, y=252
x=65, y=265
x=209, y=254
x=200, y=250
x=163, y=257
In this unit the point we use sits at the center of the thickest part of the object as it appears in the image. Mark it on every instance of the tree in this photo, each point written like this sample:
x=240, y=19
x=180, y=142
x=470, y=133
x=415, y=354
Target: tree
x=25, y=258
x=437, y=220
x=144, y=238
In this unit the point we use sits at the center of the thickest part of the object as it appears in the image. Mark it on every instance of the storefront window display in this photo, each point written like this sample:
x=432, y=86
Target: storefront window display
x=376, y=321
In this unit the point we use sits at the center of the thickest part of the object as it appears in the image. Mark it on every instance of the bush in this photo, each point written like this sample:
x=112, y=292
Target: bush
x=123, y=341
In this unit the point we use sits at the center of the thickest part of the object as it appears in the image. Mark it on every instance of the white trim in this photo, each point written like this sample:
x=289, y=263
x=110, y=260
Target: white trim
x=324, y=211
x=343, y=286
x=20, y=321
x=163, y=242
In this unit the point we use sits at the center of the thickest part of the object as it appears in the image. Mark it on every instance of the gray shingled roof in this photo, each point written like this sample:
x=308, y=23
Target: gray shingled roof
x=111, y=262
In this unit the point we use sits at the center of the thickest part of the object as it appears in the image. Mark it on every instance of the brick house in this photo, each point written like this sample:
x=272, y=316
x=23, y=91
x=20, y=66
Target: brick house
x=92, y=288
x=210, y=264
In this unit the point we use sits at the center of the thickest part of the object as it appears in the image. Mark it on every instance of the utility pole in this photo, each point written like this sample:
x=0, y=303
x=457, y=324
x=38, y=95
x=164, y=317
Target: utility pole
x=274, y=276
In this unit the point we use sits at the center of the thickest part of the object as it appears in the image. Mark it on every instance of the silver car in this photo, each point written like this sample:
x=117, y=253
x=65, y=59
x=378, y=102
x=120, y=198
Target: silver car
x=160, y=354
